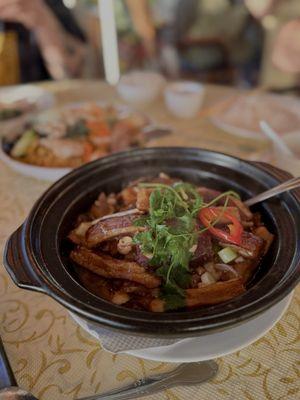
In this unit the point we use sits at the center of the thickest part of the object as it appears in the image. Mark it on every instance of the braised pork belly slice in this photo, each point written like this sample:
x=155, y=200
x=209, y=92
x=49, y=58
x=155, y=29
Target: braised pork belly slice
x=208, y=194
x=206, y=295
x=117, y=291
x=109, y=228
x=251, y=246
x=109, y=225
x=245, y=269
x=267, y=236
x=95, y=283
x=134, y=195
x=204, y=250
x=143, y=199
x=214, y=293
x=127, y=197
x=77, y=235
x=104, y=205
x=109, y=267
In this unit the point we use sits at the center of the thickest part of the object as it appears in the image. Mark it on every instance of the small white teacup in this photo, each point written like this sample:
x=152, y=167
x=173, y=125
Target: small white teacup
x=184, y=99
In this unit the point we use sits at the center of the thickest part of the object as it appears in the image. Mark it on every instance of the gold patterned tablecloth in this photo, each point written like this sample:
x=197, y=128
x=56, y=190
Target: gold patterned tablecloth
x=55, y=359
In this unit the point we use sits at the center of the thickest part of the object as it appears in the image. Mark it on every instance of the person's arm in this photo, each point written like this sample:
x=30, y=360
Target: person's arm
x=63, y=53
x=286, y=52
x=143, y=25
x=260, y=8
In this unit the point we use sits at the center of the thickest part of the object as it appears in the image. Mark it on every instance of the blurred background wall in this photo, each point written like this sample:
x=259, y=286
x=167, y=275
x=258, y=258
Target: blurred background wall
x=218, y=41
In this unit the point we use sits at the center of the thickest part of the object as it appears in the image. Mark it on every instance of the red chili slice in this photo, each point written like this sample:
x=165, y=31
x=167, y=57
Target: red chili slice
x=210, y=214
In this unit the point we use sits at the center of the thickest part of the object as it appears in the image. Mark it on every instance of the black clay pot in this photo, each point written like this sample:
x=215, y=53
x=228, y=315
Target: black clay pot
x=36, y=255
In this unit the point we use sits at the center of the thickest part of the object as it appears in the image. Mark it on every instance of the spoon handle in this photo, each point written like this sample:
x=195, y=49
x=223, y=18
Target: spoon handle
x=184, y=374
x=6, y=375
x=284, y=187
x=275, y=138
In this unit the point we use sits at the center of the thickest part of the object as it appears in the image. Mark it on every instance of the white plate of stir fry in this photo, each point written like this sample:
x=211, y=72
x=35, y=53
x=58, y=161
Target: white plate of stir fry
x=58, y=140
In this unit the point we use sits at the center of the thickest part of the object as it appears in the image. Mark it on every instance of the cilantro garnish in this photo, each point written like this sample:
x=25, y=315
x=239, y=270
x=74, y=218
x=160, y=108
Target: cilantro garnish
x=171, y=233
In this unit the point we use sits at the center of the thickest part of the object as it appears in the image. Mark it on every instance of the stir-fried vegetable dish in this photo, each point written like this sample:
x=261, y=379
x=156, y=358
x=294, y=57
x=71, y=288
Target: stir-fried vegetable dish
x=79, y=134
x=163, y=244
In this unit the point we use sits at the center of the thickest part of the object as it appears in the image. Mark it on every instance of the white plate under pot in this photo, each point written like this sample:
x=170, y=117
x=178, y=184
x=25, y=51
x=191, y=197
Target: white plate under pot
x=205, y=347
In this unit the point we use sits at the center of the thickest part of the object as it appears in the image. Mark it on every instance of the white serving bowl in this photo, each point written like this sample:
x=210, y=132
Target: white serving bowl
x=140, y=88
x=184, y=99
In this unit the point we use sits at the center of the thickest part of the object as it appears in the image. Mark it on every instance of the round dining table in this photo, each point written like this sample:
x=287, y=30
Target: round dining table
x=54, y=358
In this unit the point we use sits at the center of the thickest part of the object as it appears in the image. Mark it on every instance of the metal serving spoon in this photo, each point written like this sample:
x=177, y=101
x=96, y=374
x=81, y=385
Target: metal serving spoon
x=283, y=187
x=276, y=139
x=184, y=374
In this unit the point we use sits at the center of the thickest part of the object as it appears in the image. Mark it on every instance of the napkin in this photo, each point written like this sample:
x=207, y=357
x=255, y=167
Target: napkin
x=116, y=342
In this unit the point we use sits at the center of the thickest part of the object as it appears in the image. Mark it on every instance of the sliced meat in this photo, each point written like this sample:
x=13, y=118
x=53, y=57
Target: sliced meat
x=264, y=234
x=77, y=235
x=131, y=287
x=143, y=199
x=247, y=224
x=95, y=284
x=128, y=196
x=206, y=295
x=214, y=293
x=140, y=258
x=110, y=247
x=246, y=214
x=251, y=246
x=208, y=194
x=102, y=206
x=108, y=267
x=204, y=250
x=196, y=278
x=245, y=269
x=110, y=228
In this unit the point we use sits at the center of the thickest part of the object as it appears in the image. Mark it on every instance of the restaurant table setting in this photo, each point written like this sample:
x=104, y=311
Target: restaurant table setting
x=55, y=353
